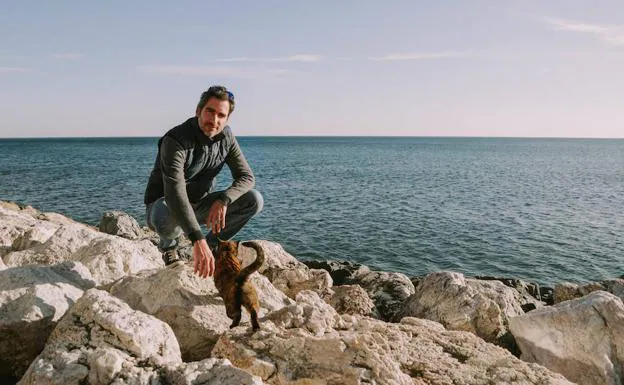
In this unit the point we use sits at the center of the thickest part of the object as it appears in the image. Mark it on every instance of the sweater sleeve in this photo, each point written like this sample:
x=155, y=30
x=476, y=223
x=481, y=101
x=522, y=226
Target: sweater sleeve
x=243, y=178
x=172, y=158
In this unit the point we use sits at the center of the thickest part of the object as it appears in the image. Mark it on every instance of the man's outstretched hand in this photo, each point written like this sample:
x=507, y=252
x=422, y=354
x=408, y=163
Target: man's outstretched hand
x=216, y=217
x=204, y=260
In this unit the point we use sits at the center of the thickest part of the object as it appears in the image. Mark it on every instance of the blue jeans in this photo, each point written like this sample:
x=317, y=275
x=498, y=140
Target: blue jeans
x=238, y=214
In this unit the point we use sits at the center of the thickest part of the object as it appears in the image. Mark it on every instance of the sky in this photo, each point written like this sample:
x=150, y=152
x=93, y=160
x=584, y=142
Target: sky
x=522, y=68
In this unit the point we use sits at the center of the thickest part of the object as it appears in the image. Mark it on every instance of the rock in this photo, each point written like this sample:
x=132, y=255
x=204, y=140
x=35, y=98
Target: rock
x=310, y=312
x=2, y=265
x=190, y=304
x=352, y=299
x=341, y=272
x=211, y=371
x=367, y=351
x=566, y=291
x=286, y=273
x=480, y=307
x=101, y=340
x=32, y=300
x=13, y=223
x=581, y=338
x=120, y=224
x=34, y=236
x=36, y=241
x=387, y=290
x=530, y=293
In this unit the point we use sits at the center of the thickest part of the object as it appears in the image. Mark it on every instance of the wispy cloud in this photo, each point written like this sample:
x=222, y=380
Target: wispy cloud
x=67, y=56
x=292, y=58
x=235, y=72
x=6, y=70
x=610, y=34
x=420, y=56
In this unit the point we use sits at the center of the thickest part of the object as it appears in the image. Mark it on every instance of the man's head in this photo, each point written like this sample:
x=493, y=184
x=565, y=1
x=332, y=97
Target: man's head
x=214, y=109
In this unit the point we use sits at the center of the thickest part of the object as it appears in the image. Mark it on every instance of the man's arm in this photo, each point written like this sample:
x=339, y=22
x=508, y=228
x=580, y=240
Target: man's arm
x=243, y=178
x=172, y=158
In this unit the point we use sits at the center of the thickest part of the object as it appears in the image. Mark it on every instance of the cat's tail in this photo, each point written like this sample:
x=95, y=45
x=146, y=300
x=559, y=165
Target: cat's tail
x=255, y=265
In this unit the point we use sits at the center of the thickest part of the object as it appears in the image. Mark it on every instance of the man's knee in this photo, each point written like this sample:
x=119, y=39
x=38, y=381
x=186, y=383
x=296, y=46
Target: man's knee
x=256, y=200
x=250, y=203
x=162, y=222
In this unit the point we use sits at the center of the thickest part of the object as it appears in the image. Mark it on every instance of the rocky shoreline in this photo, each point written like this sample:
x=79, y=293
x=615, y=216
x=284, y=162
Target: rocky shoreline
x=86, y=305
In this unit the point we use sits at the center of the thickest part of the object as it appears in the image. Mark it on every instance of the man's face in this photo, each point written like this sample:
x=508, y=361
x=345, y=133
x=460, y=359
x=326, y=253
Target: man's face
x=213, y=116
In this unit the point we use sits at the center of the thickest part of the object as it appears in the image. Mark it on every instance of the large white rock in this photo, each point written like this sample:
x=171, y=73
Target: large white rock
x=190, y=304
x=13, y=223
x=101, y=340
x=286, y=273
x=310, y=312
x=211, y=371
x=583, y=339
x=480, y=307
x=120, y=224
x=566, y=291
x=352, y=299
x=50, y=239
x=366, y=351
x=387, y=290
x=32, y=300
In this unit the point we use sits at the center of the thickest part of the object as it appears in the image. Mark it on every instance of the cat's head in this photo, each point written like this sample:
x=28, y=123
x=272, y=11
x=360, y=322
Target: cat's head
x=227, y=247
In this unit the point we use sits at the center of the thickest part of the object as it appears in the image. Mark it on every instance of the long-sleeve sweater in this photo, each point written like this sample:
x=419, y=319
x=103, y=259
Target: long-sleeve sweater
x=185, y=169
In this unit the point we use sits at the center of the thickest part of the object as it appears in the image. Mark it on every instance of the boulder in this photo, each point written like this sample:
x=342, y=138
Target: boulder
x=531, y=294
x=120, y=224
x=387, y=290
x=309, y=343
x=583, y=339
x=480, y=307
x=211, y=371
x=566, y=291
x=190, y=304
x=32, y=300
x=13, y=223
x=101, y=340
x=341, y=272
x=41, y=241
x=352, y=299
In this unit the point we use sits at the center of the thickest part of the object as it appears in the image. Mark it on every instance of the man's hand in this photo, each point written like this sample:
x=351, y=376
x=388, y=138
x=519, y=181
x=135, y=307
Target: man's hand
x=204, y=260
x=216, y=217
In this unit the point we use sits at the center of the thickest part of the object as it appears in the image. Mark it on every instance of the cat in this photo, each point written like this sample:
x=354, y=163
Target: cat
x=233, y=283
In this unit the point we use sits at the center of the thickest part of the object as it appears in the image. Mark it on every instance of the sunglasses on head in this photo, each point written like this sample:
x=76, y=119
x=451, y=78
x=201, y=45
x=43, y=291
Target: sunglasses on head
x=221, y=89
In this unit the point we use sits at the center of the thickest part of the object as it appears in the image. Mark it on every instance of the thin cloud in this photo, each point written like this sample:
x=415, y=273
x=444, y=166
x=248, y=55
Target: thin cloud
x=610, y=34
x=6, y=70
x=419, y=56
x=292, y=58
x=67, y=56
x=233, y=72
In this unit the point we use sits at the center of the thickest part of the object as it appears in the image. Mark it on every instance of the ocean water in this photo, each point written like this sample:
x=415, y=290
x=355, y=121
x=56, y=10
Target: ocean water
x=544, y=210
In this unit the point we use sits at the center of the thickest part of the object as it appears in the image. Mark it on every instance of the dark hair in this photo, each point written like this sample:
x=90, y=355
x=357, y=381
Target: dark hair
x=218, y=92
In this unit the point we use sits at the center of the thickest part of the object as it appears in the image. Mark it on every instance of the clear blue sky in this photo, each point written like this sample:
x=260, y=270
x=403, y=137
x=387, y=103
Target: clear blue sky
x=343, y=67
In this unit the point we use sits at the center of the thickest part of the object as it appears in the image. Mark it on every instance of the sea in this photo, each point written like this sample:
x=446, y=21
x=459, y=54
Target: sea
x=542, y=210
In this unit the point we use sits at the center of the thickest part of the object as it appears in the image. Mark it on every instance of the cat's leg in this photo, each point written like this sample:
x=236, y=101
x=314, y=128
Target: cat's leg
x=237, y=319
x=253, y=314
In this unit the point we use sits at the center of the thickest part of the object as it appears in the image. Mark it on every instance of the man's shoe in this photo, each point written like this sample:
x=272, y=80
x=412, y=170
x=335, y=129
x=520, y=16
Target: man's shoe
x=170, y=256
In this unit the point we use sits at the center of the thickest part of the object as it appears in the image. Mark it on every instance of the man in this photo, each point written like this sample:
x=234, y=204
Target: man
x=180, y=192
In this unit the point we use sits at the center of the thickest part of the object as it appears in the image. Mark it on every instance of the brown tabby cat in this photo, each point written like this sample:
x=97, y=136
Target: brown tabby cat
x=233, y=284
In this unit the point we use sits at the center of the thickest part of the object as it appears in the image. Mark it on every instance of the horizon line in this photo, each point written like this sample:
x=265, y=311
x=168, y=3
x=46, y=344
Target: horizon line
x=326, y=136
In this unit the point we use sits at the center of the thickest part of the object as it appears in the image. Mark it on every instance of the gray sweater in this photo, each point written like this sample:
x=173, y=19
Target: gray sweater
x=185, y=169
